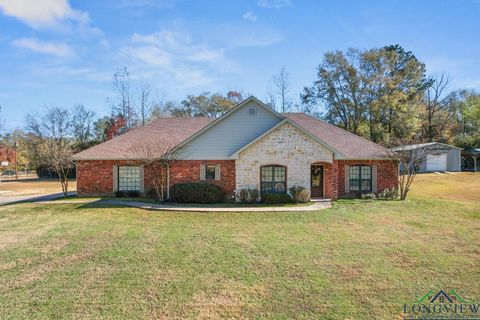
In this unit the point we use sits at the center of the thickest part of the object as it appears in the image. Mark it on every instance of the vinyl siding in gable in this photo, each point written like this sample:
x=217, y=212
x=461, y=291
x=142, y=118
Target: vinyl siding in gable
x=230, y=134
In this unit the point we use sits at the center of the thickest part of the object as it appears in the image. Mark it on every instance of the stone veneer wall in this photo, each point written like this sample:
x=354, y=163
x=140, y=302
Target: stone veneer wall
x=287, y=146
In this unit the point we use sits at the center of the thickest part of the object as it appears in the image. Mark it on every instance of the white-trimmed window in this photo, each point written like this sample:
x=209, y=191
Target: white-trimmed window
x=360, y=178
x=128, y=178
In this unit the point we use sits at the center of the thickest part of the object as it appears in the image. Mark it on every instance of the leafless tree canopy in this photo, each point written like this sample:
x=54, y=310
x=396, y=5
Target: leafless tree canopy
x=282, y=83
x=52, y=143
x=83, y=125
x=409, y=161
x=439, y=108
x=156, y=168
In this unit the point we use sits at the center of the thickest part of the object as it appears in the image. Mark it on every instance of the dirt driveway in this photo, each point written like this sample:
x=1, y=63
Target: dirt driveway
x=32, y=187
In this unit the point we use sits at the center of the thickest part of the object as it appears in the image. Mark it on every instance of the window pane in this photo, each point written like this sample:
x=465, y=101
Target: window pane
x=366, y=185
x=266, y=174
x=354, y=185
x=354, y=172
x=210, y=172
x=128, y=178
x=272, y=179
x=267, y=187
x=279, y=187
x=366, y=172
x=279, y=173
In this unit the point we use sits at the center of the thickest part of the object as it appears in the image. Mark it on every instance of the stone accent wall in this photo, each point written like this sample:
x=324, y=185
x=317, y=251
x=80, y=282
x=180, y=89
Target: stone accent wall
x=95, y=177
x=189, y=171
x=387, y=171
x=287, y=146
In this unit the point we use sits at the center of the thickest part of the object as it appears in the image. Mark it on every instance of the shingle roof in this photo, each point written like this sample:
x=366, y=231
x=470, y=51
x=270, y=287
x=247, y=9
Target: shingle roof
x=349, y=144
x=422, y=145
x=165, y=133
x=157, y=136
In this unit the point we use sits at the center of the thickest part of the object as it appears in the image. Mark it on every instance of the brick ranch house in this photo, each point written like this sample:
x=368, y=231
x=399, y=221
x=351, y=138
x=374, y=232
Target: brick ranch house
x=251, y=146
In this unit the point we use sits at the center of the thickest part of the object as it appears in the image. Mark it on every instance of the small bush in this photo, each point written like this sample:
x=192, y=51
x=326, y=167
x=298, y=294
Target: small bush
x=388, y=194
x=253, y=194
x=368, y=196
x=197, y=192
x=243, y=195
x=130, y=194
x=276, y=198
x=120, y=194
x=299, y=194
x=248, y=195
x=133, y=194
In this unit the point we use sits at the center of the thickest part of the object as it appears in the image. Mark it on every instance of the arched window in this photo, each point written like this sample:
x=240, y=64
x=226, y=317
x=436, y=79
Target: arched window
x=273, y=179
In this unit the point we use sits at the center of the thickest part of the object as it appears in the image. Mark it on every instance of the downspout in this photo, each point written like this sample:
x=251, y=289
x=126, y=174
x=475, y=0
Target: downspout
x=168, y=181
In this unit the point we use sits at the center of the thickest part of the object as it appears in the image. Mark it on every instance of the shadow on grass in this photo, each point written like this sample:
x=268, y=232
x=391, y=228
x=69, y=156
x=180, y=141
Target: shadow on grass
x=102, y=205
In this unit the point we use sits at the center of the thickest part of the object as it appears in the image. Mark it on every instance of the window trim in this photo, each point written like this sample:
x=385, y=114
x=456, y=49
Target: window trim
x=139, y=178
x=273, y=166
x=360, y=180
x=214, y=171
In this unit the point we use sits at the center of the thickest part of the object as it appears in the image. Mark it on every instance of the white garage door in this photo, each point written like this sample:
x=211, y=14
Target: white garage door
x=437, y=162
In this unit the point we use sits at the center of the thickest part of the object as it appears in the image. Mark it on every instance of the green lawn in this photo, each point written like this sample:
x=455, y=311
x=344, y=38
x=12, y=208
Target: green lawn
x=358, y=260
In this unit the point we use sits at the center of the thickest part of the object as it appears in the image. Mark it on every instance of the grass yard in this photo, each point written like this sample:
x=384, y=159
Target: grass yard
x=358, y=260
x=33, y=187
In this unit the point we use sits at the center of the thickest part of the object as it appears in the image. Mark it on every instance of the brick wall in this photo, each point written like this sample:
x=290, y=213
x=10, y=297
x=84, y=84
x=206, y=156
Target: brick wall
x=387, y=171
x=189, y=171
x=95, y=177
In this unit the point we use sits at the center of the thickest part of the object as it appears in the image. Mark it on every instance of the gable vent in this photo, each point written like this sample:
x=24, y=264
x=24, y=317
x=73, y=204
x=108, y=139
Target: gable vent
x=252, y=111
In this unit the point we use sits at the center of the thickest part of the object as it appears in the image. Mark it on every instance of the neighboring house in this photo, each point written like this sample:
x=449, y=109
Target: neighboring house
x=471, y=159
x=7, y=156
x=438, y=156
x=251, y=146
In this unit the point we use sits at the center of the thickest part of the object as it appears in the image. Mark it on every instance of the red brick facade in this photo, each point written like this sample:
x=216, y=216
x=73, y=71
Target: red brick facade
x=95, y=177
x=189, y=171
x=387, y=171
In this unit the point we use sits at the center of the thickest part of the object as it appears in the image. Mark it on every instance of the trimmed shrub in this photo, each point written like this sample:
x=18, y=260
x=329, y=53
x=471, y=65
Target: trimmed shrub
x=299, y=194
x=276, y=198
x=133, y=194
x=388, y=194
x=248, y=195
x=253, y=194
x=130, y=194
x=197, y=192
x=120, y=194
x=368, y=196
x=243, y=195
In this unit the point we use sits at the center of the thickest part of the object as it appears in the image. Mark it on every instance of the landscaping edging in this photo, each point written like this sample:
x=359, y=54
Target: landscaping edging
x=150, y=206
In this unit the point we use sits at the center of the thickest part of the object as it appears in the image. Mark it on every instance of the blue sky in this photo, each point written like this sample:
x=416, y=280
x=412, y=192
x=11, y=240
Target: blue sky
x=60, y=52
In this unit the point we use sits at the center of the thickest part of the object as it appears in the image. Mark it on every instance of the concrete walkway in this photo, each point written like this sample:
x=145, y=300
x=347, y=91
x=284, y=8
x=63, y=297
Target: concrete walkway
x=151, y=206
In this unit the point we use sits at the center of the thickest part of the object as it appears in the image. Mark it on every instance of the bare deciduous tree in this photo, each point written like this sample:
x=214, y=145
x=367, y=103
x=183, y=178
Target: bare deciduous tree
x=124, y=106
x=409, y=160
x=144, y=103
x=282, y=82
x=156, y=167
x=83, y=123
x=51, y=139
x=439, y=108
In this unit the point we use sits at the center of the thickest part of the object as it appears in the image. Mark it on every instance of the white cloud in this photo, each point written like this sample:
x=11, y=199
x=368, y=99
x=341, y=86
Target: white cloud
x=249, y=15
x=58, y=49
x=175, y=56
x=275, y=3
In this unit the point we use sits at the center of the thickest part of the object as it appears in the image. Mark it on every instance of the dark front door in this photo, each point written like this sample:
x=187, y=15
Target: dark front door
x=316, y=181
